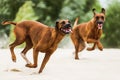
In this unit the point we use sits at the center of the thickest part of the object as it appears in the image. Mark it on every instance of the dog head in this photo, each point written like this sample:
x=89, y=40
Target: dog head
x=99, y=18
x=63, y=26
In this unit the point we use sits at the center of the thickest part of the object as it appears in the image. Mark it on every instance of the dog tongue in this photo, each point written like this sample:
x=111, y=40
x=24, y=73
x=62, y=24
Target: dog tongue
x=68, y=30
x=100, y=26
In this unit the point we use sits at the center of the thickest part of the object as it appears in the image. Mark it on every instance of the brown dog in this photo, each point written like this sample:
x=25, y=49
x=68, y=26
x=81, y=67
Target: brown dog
x=39, y=36
x=89, y=32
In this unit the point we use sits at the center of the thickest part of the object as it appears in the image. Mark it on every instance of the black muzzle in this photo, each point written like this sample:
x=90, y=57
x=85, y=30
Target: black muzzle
x=67, y=25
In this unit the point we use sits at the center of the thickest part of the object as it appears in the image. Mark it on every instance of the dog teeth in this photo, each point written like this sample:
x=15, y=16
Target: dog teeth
x=66, y=30
x=100, y=26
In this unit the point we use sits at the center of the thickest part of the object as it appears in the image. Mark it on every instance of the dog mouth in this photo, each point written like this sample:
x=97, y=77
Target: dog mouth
x=66, y=29
x=100, y=25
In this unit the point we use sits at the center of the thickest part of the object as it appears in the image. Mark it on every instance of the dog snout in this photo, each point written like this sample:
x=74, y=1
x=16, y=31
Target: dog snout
x=67, y=25
x=100, y=22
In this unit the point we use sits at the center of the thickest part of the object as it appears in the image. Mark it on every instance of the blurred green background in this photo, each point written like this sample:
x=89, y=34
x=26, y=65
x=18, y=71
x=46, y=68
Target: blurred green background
x=48, y=11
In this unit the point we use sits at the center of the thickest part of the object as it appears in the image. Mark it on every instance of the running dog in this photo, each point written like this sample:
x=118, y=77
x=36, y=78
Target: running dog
x=39, y=36
x=89, y=32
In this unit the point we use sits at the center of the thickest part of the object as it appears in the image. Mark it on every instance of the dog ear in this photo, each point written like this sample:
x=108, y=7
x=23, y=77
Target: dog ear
x=103, y=10
x=93, y=11
x=56, y=25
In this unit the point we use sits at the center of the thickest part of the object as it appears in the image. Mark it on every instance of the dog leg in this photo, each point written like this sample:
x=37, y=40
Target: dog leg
x=80, y=47
x=20, y=38
x=12, y=52
x=75, y=41
x=92, y=41
x=76, y=54
x=35, y=58
x=100, y=47
x=12, y=46
x=25, y=58
x=45, y=60
x=76, y=50
x=28, y=47
x=90, y=49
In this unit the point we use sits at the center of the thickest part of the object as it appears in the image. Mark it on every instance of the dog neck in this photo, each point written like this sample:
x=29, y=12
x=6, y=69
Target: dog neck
x=93, y=26
x=59, y=37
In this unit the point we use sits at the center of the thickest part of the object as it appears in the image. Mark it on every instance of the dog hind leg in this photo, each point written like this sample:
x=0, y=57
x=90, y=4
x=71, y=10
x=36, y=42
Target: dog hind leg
x=76, y=53
x=76, y=45
x=20, y=38
x=79, y=47
x=12, y=46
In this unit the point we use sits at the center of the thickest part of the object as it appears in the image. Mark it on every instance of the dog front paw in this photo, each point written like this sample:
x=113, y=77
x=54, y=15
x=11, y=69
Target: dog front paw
x=100, y=47
x=76, y=58
x=90, y=49
x=31, y=65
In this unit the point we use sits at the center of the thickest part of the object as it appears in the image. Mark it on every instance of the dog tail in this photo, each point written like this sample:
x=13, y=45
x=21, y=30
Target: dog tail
x=8, y=22
x=76, y=21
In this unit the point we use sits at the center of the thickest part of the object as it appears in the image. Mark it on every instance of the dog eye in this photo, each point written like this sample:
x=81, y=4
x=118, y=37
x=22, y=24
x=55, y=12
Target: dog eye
x=102, y=17
x=97, y=17
x=63, y=22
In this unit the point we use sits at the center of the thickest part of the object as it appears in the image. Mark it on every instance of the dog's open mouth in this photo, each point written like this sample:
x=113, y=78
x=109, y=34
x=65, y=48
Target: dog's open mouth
x=100, y=26
x=66, y=30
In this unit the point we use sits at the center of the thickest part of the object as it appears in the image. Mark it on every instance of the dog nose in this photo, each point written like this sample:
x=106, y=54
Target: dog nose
x=100, y=22
x=68, y=25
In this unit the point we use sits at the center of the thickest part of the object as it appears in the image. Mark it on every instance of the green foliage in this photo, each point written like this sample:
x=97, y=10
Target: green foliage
x=78, y=8
x=25, y=13
x=47, y=10
x=8, y=10
x=112, y=26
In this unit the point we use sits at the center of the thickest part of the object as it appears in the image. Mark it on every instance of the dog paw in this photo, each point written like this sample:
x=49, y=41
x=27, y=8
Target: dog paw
x=31, y=65
x=28, y=65
x=40, y=71
x=100, y=47
x=76, y=58
x=90, y=49
x=14, y=59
